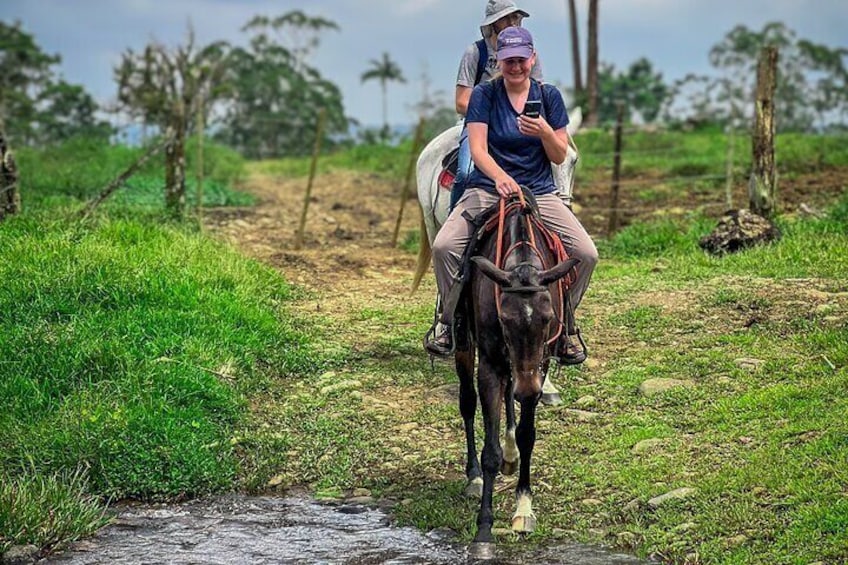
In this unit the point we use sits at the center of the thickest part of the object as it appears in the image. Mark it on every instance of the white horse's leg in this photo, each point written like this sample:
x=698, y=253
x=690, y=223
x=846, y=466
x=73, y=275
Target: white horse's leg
x=509, y=465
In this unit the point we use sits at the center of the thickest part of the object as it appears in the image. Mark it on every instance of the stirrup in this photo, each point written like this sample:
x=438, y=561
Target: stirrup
x=563, y=358
x=430, y=341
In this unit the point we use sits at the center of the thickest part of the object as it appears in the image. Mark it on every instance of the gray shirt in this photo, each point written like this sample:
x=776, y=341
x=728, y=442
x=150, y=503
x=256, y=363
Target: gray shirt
x=468, y=67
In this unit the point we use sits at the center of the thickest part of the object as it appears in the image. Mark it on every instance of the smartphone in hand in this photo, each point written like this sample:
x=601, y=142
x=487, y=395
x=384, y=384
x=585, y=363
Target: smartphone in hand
x=532, y=108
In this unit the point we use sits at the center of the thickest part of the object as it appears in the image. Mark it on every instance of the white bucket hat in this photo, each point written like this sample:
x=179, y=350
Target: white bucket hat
x=495, y=10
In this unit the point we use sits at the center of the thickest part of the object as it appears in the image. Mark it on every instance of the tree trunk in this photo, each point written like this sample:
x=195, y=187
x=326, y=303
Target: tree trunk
x=175, y=167
x=616, y=171
x=762, y=187
x=385, y=112
x=201, y=133
x=592, y=65
x=575, y=52
x=10, y=200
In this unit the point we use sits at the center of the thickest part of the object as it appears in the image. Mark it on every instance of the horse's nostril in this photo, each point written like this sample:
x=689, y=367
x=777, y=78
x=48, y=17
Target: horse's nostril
x=528, y=387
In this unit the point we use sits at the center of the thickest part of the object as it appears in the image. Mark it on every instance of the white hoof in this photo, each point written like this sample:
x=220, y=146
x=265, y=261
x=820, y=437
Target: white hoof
x=474, y=488
x=524, y=520
x=550, y=393
x=551, y=399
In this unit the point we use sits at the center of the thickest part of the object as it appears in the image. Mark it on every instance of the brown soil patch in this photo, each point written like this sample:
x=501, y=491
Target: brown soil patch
x=346, y=259
x=347, y=251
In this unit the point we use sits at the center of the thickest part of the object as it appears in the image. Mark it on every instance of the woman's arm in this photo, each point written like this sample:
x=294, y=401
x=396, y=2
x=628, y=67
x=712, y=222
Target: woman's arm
x=463, y=95
x=478, y=143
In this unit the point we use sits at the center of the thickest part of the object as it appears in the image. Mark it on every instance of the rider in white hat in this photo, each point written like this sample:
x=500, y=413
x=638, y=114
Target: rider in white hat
x=499, y=15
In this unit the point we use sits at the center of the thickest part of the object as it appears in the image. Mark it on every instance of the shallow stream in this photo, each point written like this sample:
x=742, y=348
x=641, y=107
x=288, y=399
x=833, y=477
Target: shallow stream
x=242, y=529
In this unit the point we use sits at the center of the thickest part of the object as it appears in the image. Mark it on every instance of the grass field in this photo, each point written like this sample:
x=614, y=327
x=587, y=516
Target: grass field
x=142, y=358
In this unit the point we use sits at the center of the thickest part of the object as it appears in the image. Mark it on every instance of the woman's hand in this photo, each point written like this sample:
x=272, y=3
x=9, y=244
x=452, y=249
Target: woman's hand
x=506, y=186
x=534, y=127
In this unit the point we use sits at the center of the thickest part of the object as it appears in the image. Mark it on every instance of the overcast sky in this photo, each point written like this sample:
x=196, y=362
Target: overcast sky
x=675, y=35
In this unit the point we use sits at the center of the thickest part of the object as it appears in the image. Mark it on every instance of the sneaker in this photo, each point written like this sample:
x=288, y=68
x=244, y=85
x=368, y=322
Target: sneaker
x=572, y=349
x=441, y=342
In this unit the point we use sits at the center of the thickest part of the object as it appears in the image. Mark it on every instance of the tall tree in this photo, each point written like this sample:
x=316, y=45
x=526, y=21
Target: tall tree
x=25, y=70
x=71, y=112
x=276, y=94
x=384, y=70
x=163, y=86
x=575, y=51
x=812, y=80
x=36, y=106
x=640, y=88
x=592, y=65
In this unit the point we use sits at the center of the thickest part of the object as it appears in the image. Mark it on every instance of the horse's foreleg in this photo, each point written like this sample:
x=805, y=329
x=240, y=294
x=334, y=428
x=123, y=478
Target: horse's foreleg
x=468, y=408
x=509, y=465
x=491, y=396
x=524, y=520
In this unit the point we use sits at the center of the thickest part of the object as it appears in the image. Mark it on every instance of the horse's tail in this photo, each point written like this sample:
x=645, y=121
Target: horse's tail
x=424, y=253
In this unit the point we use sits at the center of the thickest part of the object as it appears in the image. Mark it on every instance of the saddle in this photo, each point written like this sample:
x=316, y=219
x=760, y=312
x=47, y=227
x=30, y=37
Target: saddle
x=450, y=164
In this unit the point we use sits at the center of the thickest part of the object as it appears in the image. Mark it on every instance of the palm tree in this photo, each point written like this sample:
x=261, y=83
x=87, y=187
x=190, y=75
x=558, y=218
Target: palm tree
x=384, y=71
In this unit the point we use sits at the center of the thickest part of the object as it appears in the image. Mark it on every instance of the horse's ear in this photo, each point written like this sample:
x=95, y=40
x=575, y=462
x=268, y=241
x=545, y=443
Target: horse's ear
x=489, y=269
x=575, y=120
x=557, y=271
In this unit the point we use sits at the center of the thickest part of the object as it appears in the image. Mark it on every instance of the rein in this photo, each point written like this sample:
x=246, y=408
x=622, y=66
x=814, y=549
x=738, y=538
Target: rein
x=551, y=240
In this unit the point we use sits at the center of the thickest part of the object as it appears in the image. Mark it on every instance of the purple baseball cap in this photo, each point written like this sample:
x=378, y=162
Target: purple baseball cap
x=515, y=42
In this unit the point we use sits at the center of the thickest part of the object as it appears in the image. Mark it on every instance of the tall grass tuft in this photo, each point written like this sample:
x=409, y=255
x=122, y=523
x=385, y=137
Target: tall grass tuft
x=44, y=510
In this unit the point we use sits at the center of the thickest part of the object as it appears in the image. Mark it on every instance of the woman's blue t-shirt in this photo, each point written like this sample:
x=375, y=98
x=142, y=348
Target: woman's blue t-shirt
x=522, y=157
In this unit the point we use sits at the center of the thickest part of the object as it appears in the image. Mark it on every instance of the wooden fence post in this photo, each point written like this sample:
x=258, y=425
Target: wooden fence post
x=762, y=187
x=319, y=133
x=404, y=193
x=201, y=132
x=10, y=200
x=728, y=169
x=616, y=171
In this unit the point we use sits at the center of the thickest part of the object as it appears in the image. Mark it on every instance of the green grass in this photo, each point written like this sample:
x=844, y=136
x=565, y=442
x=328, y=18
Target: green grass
x=685, y=154
x=76, y=171
x=130, y=351
x=44, y=510
x=143, y=359
x=387, y=160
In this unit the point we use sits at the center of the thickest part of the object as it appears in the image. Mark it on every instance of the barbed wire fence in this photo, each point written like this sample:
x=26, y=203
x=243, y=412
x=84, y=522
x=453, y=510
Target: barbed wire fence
x=640, y=191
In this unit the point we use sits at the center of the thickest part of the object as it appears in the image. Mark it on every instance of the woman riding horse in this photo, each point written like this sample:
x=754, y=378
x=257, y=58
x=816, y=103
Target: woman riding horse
x=510, y=149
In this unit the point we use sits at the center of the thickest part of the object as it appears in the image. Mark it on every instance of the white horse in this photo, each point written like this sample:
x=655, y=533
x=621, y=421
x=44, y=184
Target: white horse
x=435, y=199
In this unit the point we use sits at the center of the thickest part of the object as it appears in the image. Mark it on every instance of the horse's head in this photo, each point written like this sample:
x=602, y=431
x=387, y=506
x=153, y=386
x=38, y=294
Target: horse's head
x=526, y=313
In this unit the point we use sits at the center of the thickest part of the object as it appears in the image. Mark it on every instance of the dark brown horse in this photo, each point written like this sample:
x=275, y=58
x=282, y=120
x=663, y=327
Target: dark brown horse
x=510, y=305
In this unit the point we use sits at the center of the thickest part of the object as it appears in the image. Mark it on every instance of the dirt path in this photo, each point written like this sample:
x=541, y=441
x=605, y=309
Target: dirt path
x=347, y=259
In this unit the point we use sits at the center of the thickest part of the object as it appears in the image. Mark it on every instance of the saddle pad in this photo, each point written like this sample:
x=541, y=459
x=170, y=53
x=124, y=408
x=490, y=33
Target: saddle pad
x=449, y=167
x=446, y=179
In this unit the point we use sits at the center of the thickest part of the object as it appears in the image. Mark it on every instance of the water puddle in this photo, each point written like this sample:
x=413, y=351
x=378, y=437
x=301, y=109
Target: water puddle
x=242, y=529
